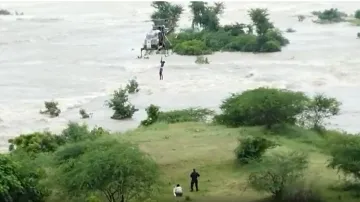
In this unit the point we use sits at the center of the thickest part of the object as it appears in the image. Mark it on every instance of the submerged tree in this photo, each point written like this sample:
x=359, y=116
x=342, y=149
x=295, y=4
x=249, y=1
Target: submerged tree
x=205, y=16
x=120, y=104
x=166, y=13
x=260, y=19
x=84, y=114
x=132, y=87
x=51, y=109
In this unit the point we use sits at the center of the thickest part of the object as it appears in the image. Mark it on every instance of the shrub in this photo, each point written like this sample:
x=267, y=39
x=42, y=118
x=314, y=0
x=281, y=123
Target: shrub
x=193, y=47
x=329, y=16
x=132, y=87
x=271, y=46
x=84, y=114
x=120, y=104
x=277, y=172
x=51, y=109
x=153, y=112
x=244, y=43
x=301, y=18
x=252, y=148
x=117, y=170
x=185, y=115
x=345, y=156
x=357, y=14
x=201, y=60
x=319, y=108
x=4, y=12
x=262, y=106
x=290, y=30
x=36, y=142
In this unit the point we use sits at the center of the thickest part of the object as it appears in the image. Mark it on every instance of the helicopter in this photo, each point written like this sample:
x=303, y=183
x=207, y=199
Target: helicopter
x=156, y=39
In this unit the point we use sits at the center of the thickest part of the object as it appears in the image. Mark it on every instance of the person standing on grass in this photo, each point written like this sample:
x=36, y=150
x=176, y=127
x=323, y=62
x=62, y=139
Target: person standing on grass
x=194, y=180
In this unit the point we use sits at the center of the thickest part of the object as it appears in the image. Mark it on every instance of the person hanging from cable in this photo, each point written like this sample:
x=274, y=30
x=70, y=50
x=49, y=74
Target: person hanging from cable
x=161, y=69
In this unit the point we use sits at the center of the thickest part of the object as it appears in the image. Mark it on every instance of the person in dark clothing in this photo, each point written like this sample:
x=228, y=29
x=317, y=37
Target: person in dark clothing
x=194, y=180
x=161, y=69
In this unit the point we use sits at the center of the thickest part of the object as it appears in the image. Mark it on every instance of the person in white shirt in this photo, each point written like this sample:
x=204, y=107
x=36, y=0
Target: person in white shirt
x=177, y=191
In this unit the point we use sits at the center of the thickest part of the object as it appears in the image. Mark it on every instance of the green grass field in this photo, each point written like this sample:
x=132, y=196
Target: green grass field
x=178, y=148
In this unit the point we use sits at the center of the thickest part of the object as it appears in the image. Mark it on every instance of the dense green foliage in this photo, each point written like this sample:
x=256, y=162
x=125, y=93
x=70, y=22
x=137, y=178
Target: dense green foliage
x=268, y=106
x=207, y=35
x=120, y=104
x=175, y=116
x=252, y=148
x=357, y=14
x=166, y=13
x=237, y=37
x=262, y=106
x=20, y=181
x=51, y=109
x=332, y=15
x=117, y=171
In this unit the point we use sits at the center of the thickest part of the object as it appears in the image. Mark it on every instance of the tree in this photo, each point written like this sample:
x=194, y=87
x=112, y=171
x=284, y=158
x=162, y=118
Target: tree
x=262, y=106
x=152, y=112
x=357, y=14
x=84, y=114
x=20, y=182
x=261, y=21
x=206, y=16
x=120, y=104
x=117, y=170
x=277, y=172
x=166, y=13
x=319, y=108
x=132, y=87
x=51, y=109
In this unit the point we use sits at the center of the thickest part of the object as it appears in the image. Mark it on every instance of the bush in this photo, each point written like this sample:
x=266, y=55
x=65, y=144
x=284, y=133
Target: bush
x=132, y=87
x=36, y=142
x=84, y=114
x=319, y=108
x=252, y=148
x=201, y=60
x=357, y=14
x=175, y=116
x=290, y=30
x=4, y=12
x=193, y=47
x=115, y=169
x=153, y=112
x=345, y=156
x=301, y=18
x=51, y=109
x=332, y=15
x=271, y=46
x=185, y=115
x=262, y=106
x=277, y=172
x=120, y=104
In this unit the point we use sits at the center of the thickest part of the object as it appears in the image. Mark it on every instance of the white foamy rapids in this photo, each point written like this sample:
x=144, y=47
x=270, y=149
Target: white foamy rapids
x=78, y=54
